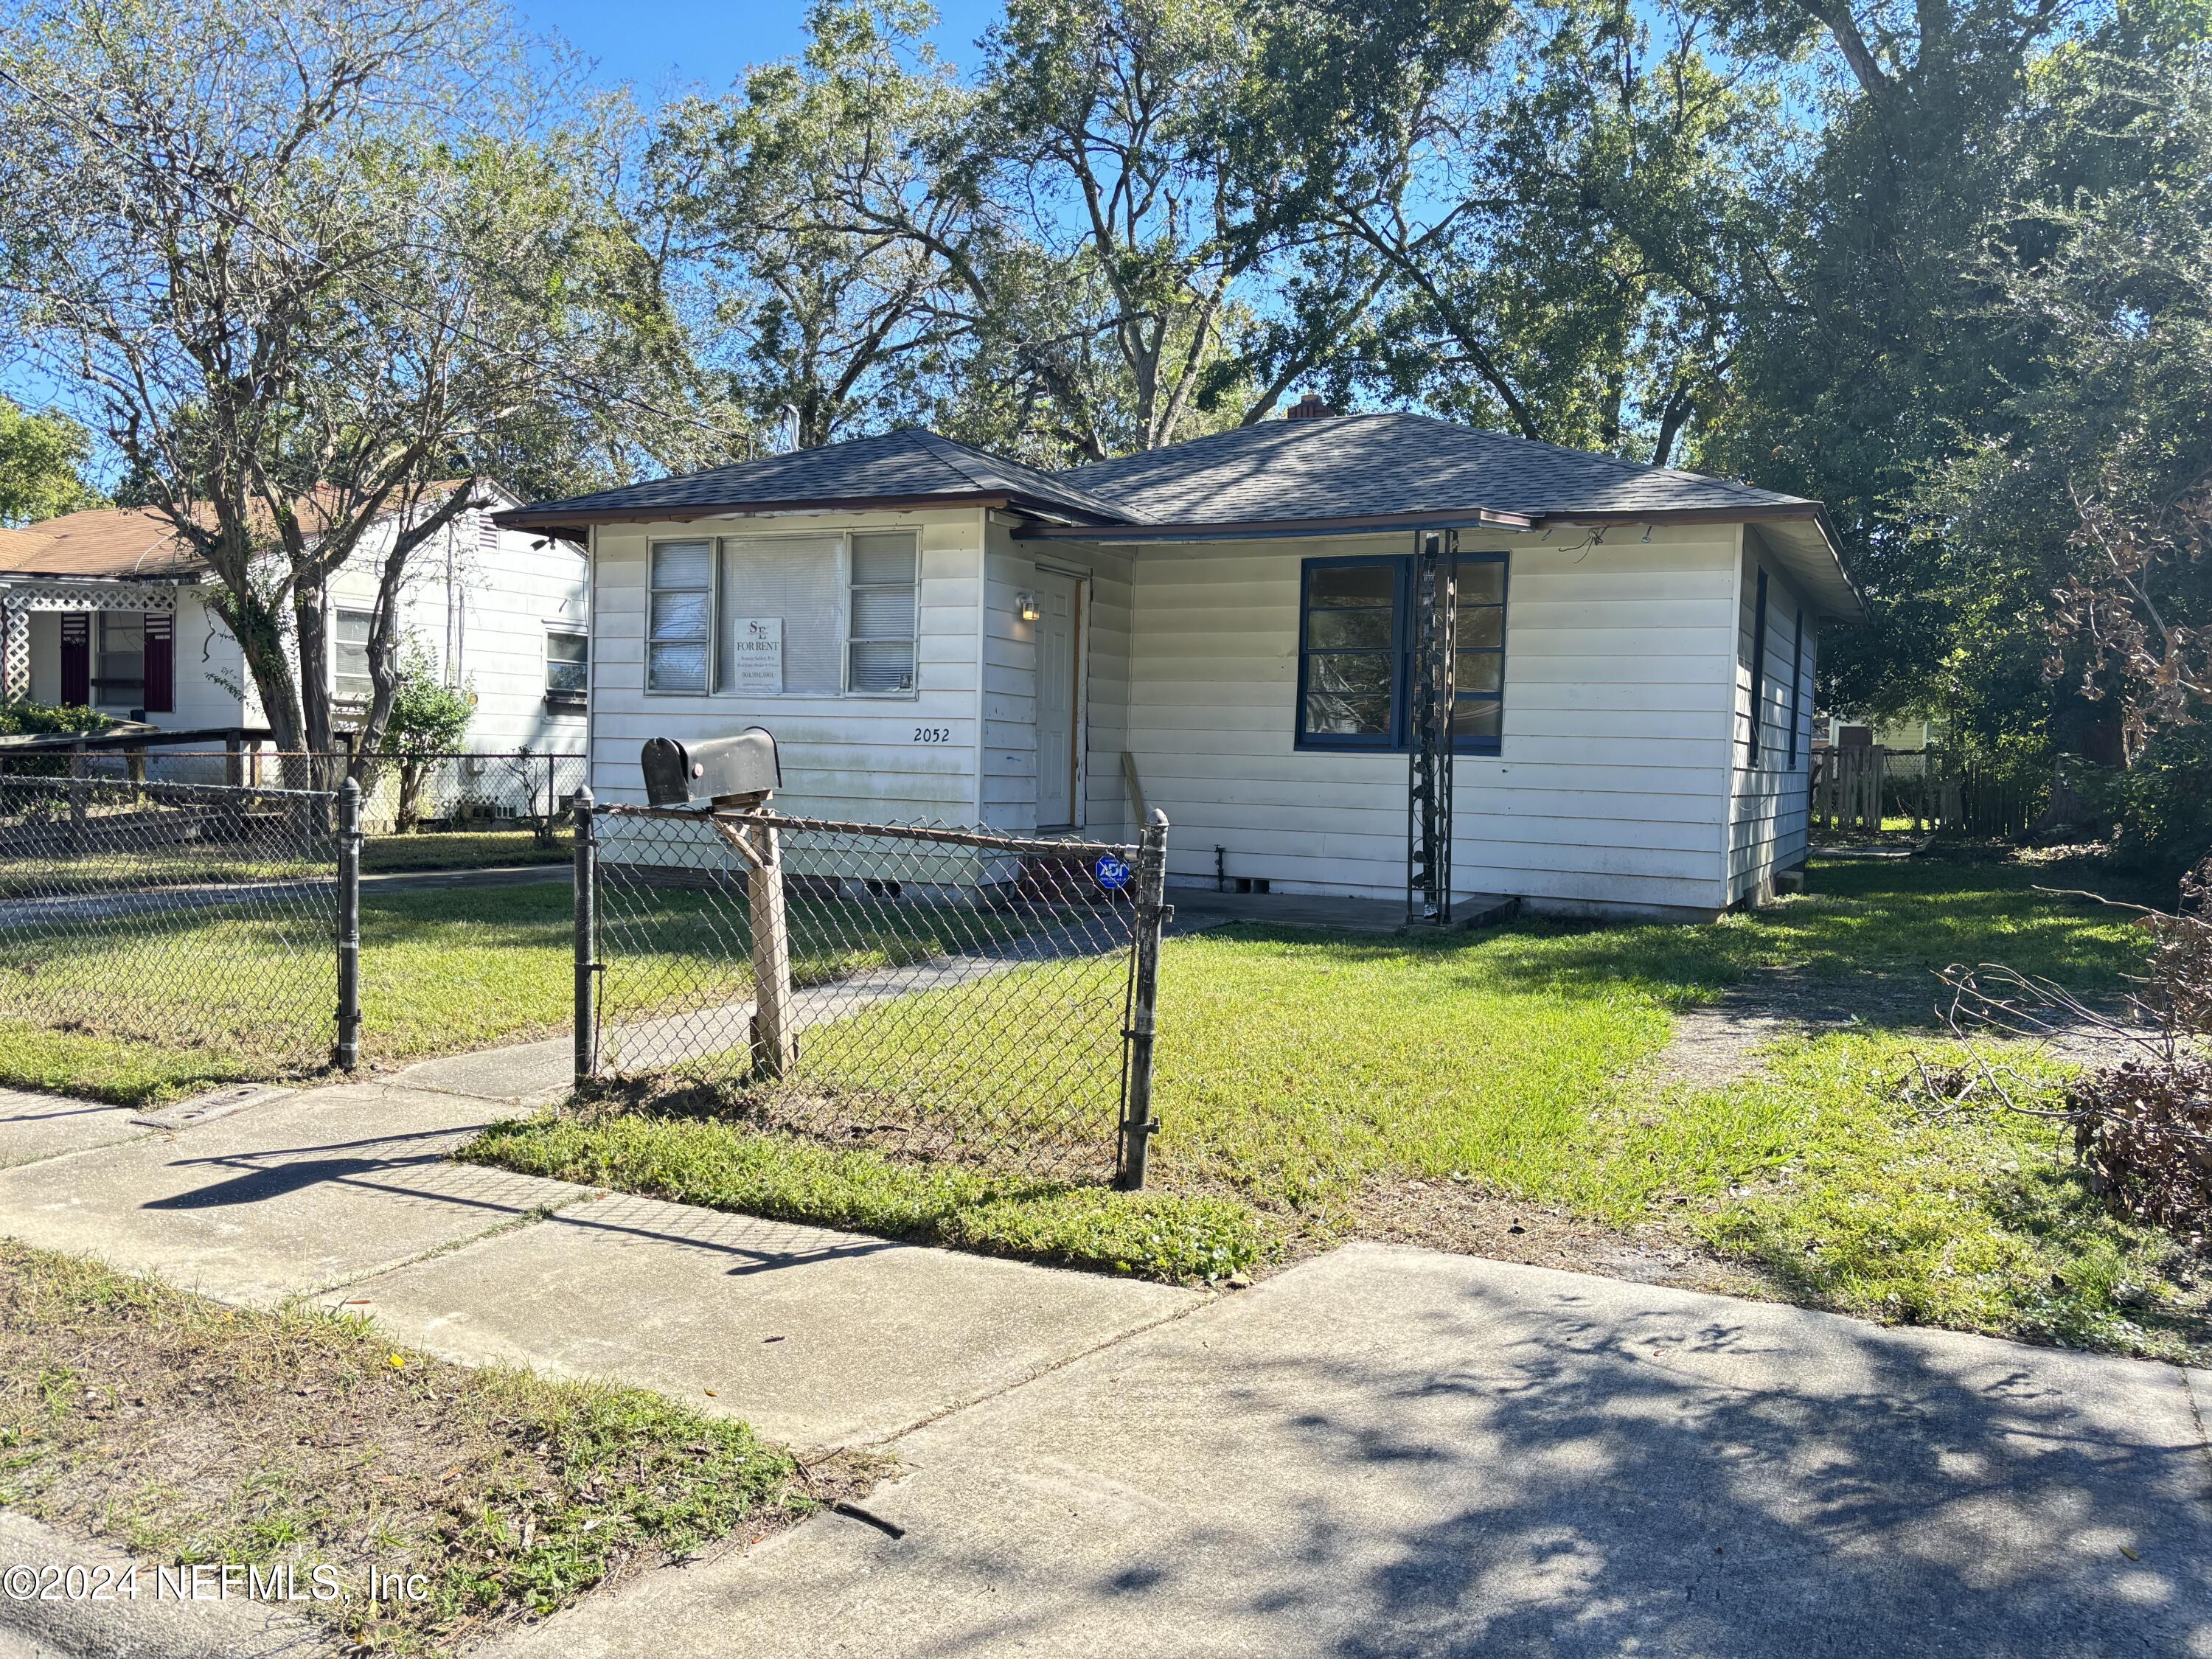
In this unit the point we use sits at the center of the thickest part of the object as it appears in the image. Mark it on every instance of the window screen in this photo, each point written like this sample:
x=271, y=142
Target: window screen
x=1356, y=629
x=350, y=680
x=120, y=682
x=676, y=648
x=883, y=612
x=568, y=659
x=791, y=583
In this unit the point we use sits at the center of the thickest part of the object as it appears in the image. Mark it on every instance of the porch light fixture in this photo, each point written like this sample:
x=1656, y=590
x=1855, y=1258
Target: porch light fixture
x=1026, y=603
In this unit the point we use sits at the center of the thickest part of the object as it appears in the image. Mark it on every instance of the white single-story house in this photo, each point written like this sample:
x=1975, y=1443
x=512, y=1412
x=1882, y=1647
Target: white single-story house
x=1223, y=630
x=110, y=609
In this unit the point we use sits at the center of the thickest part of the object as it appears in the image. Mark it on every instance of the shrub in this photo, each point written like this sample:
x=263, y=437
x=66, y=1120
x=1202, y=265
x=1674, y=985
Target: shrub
x=27, y=719
x=427, y=718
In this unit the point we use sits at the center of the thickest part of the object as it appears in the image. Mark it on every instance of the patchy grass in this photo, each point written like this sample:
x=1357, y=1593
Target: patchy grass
x=1847, y=1197
x=725, y=1166
x=1297, y=1070
x=190, y=1431
x=190, y=864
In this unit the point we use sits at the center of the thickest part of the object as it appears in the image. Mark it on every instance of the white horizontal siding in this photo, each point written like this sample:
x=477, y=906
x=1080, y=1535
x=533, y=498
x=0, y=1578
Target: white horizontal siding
x=1010, y=791
x=875, y=758
x=1771, y=792
x=1611, y=787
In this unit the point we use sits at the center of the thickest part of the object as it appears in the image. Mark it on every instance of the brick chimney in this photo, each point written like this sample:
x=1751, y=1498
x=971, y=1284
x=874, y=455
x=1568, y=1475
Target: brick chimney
x=1309, y=408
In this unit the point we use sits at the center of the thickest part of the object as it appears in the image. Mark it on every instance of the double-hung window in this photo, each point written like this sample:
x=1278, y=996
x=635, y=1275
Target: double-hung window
x=1355, y=647
x=680, y=608
x=884, y=612
x=349, y=678
x=567, y=667
x=1352, y=660
x=805, y=615
x=120, y=682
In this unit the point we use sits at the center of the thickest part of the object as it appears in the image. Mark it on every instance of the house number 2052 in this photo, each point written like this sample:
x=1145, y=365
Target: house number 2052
x=933, y=734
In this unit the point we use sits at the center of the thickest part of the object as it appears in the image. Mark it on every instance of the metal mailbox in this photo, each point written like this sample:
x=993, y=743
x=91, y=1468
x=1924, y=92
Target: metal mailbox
x=720, y=771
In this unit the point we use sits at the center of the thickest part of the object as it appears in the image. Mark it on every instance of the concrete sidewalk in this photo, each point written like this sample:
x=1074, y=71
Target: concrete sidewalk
x=1381, y=1451
x=817, y=1338
x=1392, y=1451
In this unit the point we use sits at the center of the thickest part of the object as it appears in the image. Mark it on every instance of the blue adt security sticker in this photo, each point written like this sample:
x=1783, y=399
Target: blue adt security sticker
x=1113, y=874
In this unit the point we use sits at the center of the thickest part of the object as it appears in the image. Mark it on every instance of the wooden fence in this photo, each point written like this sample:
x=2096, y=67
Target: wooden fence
x=1855, y=789
x=1847, y=789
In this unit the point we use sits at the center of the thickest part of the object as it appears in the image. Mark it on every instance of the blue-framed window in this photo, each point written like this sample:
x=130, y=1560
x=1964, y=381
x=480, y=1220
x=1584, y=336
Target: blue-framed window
x=1355, y=641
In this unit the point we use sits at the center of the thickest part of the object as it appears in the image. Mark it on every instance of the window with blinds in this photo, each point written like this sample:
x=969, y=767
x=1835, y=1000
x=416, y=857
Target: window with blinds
x=769, y=616
x=680, y=603
x=790, y=583
x=885, y=612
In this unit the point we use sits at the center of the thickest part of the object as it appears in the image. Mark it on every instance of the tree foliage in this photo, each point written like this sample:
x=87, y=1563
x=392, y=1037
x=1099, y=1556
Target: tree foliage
x=314, y=274
x=41, y=462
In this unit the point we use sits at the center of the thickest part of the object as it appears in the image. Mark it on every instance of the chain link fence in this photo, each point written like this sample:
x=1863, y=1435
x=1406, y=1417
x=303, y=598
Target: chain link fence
x=948, y=993
x=513, y=793
x=171, y=914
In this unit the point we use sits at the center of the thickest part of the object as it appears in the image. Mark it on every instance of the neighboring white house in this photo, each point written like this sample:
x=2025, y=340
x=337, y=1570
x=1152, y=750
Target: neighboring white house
x=1221, y=629
x=109, y=608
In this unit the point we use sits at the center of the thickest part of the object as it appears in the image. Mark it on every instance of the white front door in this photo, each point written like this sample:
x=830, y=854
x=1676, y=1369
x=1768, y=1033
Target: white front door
x=1059, y=658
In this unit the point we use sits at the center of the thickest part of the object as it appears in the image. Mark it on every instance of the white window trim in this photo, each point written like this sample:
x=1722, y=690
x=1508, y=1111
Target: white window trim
x=567, y=631
x=845, y=623
x=716, y=543
x=332, y=630
x=714, y=615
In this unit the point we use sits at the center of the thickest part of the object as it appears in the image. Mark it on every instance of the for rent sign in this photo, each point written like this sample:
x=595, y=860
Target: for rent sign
x=756, y=654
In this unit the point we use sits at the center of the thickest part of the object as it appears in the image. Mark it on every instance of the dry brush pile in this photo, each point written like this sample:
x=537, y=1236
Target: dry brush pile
x=2140, y=1109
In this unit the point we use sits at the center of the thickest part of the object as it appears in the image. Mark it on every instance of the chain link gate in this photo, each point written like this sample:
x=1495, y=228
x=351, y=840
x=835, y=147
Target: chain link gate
x=951, y=994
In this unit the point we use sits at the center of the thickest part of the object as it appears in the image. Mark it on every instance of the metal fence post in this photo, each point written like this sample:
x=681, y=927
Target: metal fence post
x=1151, y=881
x=346, y=1054
x=587, y=941
x=80, y=774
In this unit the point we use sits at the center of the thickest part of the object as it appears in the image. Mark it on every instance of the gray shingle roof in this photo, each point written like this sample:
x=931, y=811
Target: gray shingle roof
x=1352, y=467
x=906, y=465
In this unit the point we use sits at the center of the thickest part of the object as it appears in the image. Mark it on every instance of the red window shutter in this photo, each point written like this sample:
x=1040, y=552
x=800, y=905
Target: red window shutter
x=76, y=657
x=160, y=663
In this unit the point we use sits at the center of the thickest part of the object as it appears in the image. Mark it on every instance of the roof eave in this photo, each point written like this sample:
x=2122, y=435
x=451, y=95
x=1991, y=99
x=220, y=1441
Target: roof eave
x=1260, y=529
x=557, y=518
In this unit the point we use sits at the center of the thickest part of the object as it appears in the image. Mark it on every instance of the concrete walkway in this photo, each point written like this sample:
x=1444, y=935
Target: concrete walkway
x=1380, y=1451
x=1393, y=1451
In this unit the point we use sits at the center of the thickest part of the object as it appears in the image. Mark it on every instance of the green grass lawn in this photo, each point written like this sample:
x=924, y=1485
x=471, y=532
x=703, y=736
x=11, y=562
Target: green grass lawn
x=283, y=854
x=463, y=849
x=146, y=1008
x=1297, y=1071
x=1299, y=1074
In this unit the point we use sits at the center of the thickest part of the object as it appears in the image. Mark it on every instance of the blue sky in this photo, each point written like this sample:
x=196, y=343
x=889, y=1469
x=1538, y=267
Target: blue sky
x=656, y=44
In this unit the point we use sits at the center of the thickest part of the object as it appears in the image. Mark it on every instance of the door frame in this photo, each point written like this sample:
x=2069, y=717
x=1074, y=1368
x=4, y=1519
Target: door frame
x=1080, y=704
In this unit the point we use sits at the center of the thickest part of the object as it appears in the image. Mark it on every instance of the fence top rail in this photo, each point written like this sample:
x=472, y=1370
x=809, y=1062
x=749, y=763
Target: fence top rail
x=161, y=787
x=985, y=838
x=326, y=755
x=64, y=743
